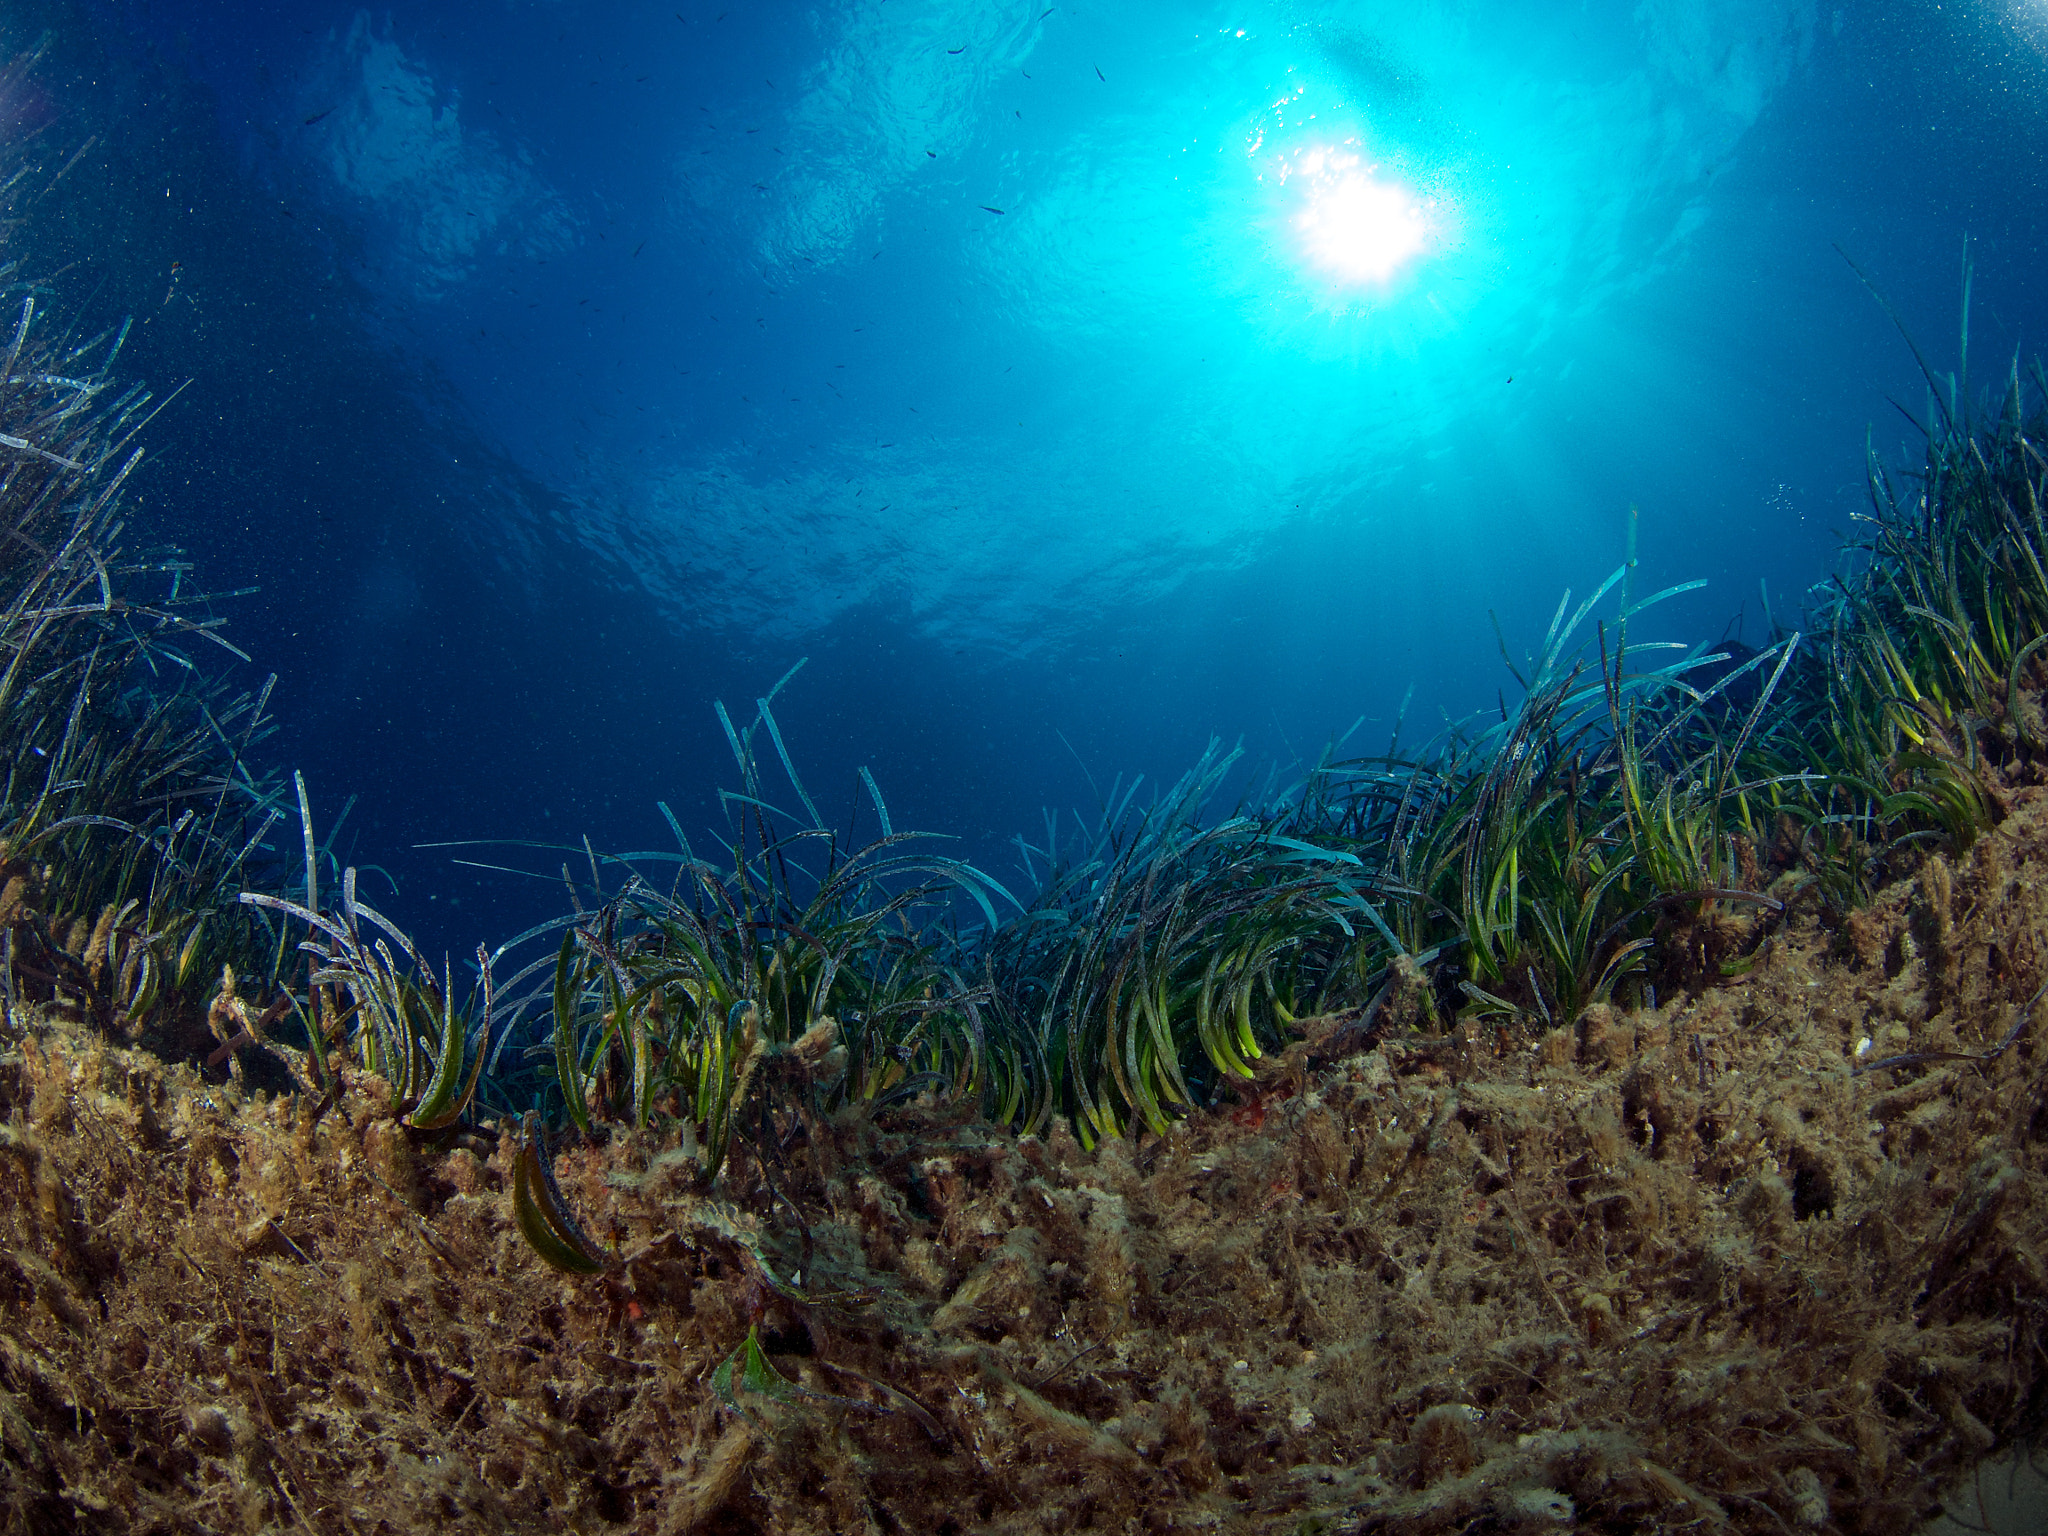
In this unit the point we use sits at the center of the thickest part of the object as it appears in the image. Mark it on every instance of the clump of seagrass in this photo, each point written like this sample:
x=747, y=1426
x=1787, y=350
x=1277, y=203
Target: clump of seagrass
x=804, y=972
x=359, y=1008
x=1936, y=628
x=129, y=810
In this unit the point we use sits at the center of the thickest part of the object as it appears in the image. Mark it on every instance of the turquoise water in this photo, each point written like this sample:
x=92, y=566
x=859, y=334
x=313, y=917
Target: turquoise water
x=1067, y=383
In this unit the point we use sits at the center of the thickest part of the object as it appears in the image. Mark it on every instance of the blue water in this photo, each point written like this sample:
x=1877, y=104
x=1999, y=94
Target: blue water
x=1067, y=383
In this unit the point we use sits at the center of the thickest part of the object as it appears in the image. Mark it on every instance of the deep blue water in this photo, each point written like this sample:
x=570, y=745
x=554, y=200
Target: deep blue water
x=1068, y=383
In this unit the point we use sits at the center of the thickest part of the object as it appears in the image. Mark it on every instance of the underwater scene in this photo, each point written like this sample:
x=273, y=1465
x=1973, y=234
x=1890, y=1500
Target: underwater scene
x=936, y=766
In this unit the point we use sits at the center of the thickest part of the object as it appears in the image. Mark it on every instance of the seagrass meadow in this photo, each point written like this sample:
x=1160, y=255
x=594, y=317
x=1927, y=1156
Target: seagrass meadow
x=1623, y=1113
x=1624, y=1116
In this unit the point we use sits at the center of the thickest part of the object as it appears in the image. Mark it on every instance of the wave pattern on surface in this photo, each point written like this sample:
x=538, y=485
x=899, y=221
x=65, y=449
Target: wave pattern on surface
x=441, y=193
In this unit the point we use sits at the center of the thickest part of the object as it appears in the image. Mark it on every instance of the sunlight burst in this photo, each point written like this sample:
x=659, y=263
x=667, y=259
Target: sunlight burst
x=1354, y=226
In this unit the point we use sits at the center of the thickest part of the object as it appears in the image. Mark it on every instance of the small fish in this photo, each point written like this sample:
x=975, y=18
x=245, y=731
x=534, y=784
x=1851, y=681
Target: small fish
x=1100, y=75
x=318, y=115
x=961, y=49
x=986, y=209
x=640, y=247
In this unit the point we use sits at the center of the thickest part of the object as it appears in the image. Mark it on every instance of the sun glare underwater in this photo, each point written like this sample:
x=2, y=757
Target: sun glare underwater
x=1067, y=383
x=1359, y=230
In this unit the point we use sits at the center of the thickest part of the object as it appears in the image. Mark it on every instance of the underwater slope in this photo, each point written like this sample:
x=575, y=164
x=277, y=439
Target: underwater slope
x=1625, y=1113
x=1756, y=1259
